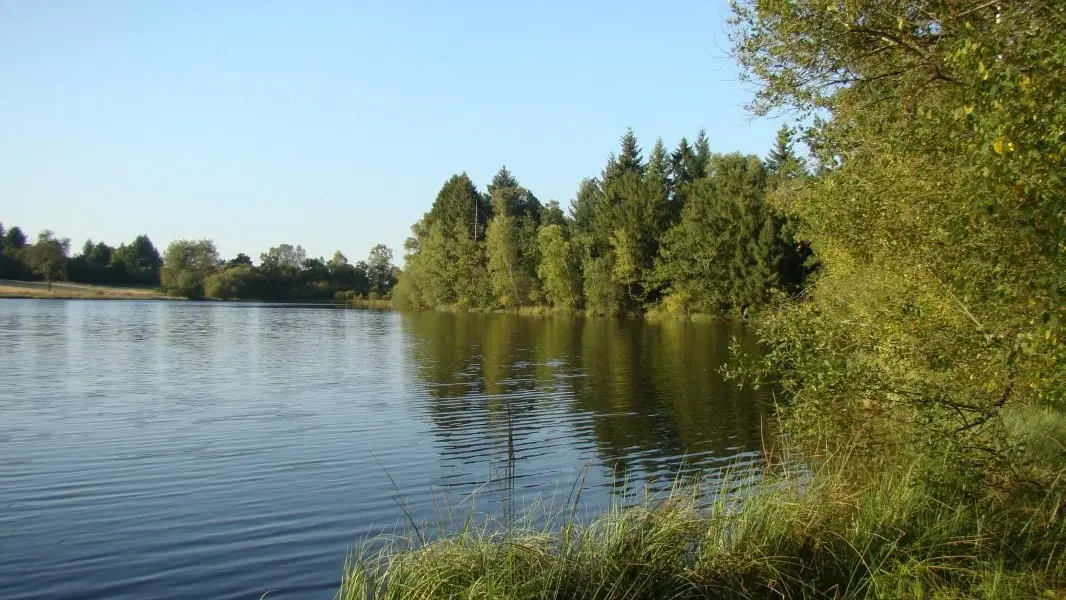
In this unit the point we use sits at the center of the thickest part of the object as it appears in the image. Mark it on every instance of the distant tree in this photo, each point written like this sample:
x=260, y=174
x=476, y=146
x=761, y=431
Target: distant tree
x=380, y=270
x=237, y=281
x=240, y=259
x=140, y=260
x=186, y=266
x=784, y=165
x=511, y=241
x=659, y=162
x=725, y=252
x=96, y=264
x=4, y=260
x=283, y=265
x=338, y=260
x=630, y=160
x=282, y=257
x=347, y=277
x=552, y=214
x=586, y=204
x=14, y=239
x=48, y=257
x=510, y=283
x=602, y=294
x=782, y=162
x=461, y=208
x=315, y=279
x=558, y=270
x=703, y=154
x=361, y=278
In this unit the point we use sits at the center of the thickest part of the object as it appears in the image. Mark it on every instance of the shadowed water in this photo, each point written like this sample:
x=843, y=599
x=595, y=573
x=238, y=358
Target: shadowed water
x=179, y=450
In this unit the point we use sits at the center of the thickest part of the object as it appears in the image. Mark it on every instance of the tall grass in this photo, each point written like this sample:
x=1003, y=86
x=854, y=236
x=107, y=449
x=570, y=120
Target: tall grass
x=837, y=533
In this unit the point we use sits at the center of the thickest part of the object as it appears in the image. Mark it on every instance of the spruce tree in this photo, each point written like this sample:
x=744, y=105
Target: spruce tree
x=782, y=161
x=682, y=172
x=459, y=207
x=703, y=155
x=630, y=159
x=659, y=163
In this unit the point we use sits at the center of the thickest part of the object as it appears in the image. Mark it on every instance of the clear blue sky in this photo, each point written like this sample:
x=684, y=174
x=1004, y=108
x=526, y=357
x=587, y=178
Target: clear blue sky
x=333, y=124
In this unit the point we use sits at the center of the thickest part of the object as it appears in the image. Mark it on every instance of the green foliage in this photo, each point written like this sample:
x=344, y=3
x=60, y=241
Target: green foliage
x=460, y=209
x=558, y=268
x=603, y=295
x=349, y=278
x=139, y=260
x=726, y=253
x=195, y=271
x=809, y=537
x=186, y=266
x=379, y=270
x=14, y=239
x=510, y=283
x=240, y=259
x=134, y=263
x=239, y=281
x=47, y=257
x=613, y=241
x=938, y=215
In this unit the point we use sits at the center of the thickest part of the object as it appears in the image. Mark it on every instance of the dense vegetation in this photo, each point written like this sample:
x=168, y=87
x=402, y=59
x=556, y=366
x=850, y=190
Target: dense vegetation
x=921, y=371
x=685, y=231
x=193, y=269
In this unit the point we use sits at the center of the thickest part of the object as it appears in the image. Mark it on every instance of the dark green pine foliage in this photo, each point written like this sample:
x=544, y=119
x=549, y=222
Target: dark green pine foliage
x=659, y=161
x=140, y=260
x=703, y=155
x=512, y=246
x=659, y=168
x=14, y=239
x=586, y=204
x=629, y=159
x=687, y=230
x=552, y=214
x=683, y=170
x=460, y=207
x=447, y=264
x=782, y=162
x=613, y=261
x=523, y=205
x=724, y=255
x=785, y=167
x=10, y=265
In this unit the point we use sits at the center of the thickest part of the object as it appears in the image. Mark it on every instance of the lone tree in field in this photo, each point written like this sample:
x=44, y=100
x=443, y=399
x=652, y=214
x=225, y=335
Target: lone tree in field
x=48, y=257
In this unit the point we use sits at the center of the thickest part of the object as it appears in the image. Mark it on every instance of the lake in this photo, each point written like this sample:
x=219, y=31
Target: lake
x=212, y=450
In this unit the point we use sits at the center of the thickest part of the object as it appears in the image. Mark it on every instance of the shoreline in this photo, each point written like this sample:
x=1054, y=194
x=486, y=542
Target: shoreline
x=32, y=290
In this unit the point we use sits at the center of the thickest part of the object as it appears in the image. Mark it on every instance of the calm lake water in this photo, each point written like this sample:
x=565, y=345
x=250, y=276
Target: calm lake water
x=185, y=450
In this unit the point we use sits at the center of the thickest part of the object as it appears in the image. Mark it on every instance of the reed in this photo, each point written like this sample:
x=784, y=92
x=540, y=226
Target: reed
x=839, y=532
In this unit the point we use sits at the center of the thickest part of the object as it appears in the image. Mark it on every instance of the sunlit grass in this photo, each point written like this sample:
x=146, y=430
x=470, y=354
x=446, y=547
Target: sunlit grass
x=66, y=290
x=810, y=536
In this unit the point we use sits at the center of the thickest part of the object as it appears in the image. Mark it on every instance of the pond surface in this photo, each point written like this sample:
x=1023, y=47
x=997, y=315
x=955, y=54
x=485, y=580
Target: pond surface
x=181, y=450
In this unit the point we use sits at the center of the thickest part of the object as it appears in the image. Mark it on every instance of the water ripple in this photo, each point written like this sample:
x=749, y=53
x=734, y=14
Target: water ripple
x=174, y=450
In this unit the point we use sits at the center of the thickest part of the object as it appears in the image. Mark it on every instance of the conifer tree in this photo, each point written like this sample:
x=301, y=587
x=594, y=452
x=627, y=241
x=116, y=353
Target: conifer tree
x=703, y=155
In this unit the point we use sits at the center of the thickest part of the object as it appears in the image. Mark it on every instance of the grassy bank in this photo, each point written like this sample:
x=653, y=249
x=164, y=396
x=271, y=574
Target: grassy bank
x=848, y=531
x=651, y=315
x=368, y=303
x=77, y=291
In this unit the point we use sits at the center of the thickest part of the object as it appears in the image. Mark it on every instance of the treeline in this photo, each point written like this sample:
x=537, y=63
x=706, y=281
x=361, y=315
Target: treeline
x=135, y=263
x=194, y=269
x=684, y=231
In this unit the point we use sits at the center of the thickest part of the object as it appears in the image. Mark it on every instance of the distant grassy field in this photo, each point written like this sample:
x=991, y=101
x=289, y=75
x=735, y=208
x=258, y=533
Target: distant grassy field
x=67, y=290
